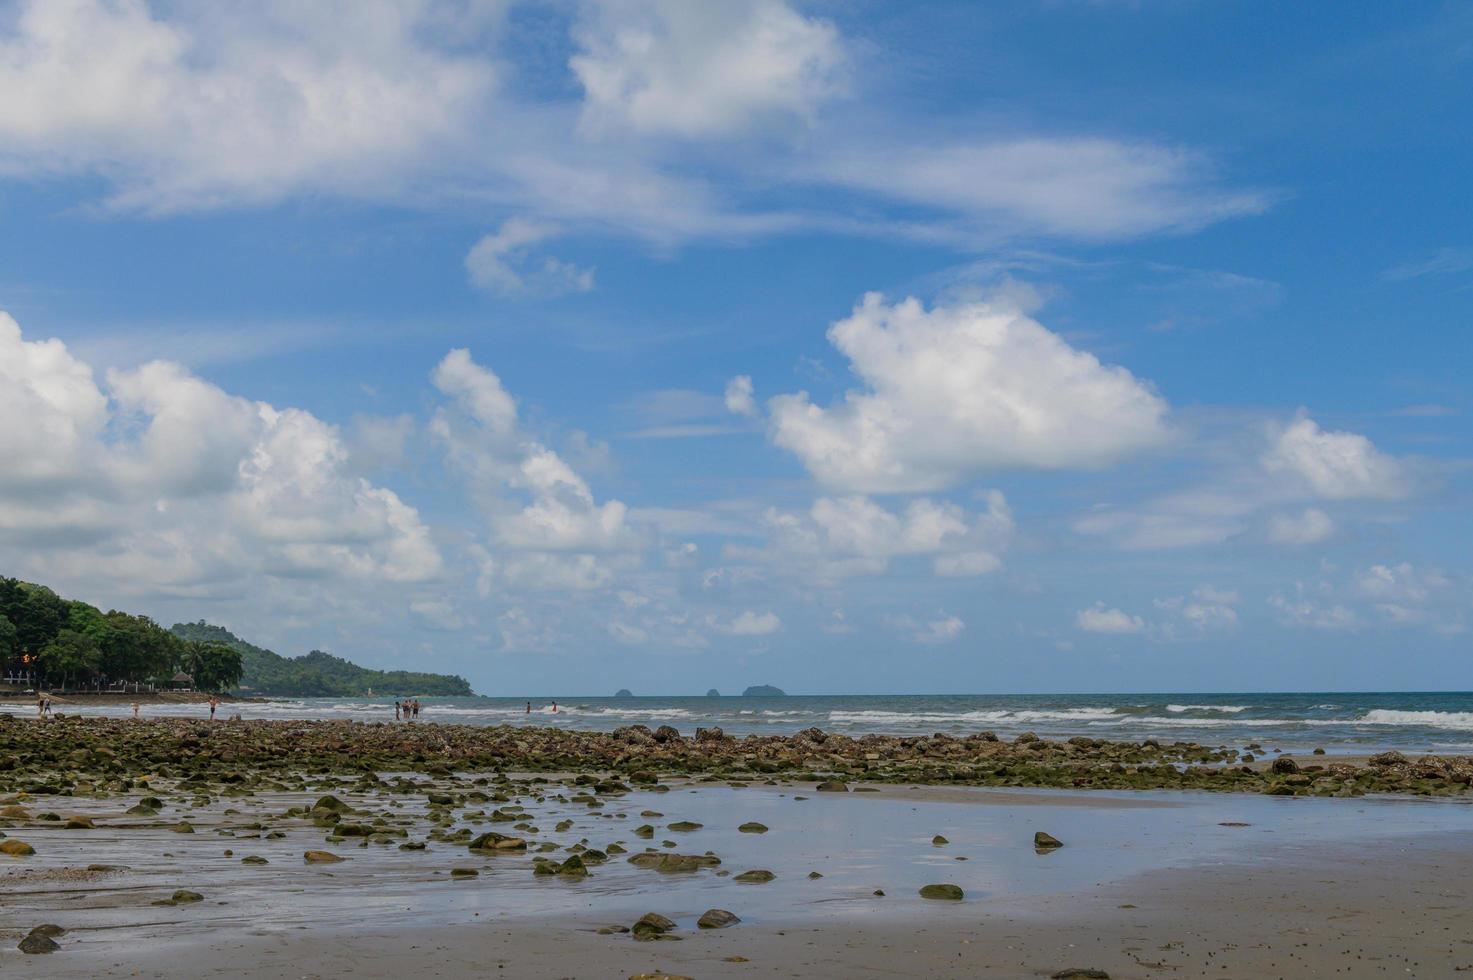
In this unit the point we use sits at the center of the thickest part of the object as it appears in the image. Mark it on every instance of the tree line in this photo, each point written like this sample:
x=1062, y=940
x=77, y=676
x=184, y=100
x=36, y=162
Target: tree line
x=67, y=642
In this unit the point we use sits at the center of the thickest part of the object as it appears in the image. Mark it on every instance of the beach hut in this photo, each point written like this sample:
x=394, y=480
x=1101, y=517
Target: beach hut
x=181, y=682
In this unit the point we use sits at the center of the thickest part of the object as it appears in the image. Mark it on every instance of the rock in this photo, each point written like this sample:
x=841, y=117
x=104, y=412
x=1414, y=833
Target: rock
x=182, y=827
x=1384, y=759
x=332, y=804
x=764, y=691
x=1284, y=766
x=717, y=919
x=674, y=862
x=497, y=842
x=1046, y=842
x=666, y=733
x=35, y=943
x=685, y=826
x=758, y=877
x=713, y=693
x=753, y=827
x=652, y=925
x=16, y=848
x=658, y=976
x=832, y=786
x=184, y=896
x=1080, y=973
x=815, y=735
x=573, y=867
x=645, y=831
x=465, y=872
x=79, y=823
x=623, y=692
x=1025, y=738
x=950, y=893
x=254, y=859
x=938, y=840
x=712, y=734
x=49, y=929
x=814, y=875
x=321, y=857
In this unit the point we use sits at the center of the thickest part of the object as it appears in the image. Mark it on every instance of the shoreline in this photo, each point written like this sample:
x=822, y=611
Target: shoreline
x=67, y=750
x=93, y=698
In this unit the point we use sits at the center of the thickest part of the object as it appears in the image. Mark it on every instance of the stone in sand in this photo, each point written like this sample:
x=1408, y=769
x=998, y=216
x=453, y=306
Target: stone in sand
x=321, y=857
x=652, y=925
x=1284, y=766
x=49, y=929
x=79, y=823
x=332, y=804
x=254, y=859
x=717, y=919
x=753, y=827
x=685, y=826
x=757, y=877
x=37, y=943
x=950, y=893
x=464, y=873
x=938, y=840
x=16, y=848
x=645, y=831
x=1046, y=842
x=832, y=786
x=674, y=862
x=184, y=896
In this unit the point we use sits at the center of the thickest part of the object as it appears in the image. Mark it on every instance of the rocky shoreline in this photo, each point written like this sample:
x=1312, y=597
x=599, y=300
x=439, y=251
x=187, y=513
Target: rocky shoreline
x=76, y=755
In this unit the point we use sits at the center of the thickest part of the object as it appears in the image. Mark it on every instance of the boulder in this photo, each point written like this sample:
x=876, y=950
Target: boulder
x=36, y=943
x=652, y=925
x=753, y=827
x=1046, y=842
x=666, y=733
x=832, y=786
x=950, y=893
x=321, y=857
x=939, y=841
x=716, y=919
x=757, y=877
x=673, y=862
x=16, y=848
x=1284, y=765
x=1385, y=759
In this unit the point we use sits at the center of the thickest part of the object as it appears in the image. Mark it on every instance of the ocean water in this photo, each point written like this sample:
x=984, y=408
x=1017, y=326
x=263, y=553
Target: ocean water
x=1338, y=722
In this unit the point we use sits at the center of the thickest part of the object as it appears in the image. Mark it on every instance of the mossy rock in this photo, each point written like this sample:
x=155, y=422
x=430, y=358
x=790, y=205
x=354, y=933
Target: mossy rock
x=757, y=877
x=753, y=827
x=949, y=893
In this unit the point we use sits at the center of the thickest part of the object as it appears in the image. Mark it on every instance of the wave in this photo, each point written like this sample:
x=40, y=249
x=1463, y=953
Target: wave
x=1231, y=709
x=1460, y=720
x=1001, y=717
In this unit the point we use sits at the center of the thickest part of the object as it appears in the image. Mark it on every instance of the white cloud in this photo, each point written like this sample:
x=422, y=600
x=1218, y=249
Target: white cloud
x=739, y=396
x=1308, y=527
x=698, y=70
x=227, y=105
x=843, y=536
x=1306, y=608
x=1102, y=619
x=502, y=263
x=1207, y=609
x=957, y=390
x=1076, y=187
x=748, y=623
x=166, y=483
x=943, y=628
x=1334, y=465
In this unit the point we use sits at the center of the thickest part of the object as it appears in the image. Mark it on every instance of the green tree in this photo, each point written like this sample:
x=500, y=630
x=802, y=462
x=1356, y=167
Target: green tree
x=70, y=655
x=7, y=638
x=214, y=666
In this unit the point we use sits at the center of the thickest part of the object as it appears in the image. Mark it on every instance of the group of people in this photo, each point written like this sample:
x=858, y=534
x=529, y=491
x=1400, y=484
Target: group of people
x=406, y=710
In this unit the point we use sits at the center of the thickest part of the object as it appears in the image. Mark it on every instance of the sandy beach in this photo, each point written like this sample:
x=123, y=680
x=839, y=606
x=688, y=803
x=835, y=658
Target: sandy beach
x=204, y=860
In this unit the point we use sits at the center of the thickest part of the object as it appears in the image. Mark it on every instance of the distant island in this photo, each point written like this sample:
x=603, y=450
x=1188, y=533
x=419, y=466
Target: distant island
x=319, y=674
x=764, y=691
x=713, y=693
x=623, y=692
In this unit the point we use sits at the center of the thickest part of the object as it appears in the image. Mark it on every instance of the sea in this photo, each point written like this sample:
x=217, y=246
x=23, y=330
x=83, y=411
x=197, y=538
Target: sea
x=1337, y=722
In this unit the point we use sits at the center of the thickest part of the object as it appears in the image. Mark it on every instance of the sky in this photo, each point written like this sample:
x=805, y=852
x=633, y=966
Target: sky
x=938, y=347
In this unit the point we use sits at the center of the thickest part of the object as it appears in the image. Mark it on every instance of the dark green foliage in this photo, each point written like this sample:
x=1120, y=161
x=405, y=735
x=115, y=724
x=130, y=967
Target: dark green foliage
x=318, y=674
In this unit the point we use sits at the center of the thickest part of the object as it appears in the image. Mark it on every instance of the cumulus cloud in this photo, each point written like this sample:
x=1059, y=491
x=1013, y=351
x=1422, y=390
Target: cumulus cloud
x=697, y=70
x=1100, y=618
x=842, y=536
x=738, y=398
x=502, y=263
x=942, y=628
x=234, y=105
x=956, y=390
x=747, y=623
x=1334, y=465
x=547, y=528
x=1207, y=609
x=164, y=482
x=1307, y=527
x=1311, y=607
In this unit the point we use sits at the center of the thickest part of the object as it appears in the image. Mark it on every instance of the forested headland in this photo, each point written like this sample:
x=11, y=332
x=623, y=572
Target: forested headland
x=53, y=642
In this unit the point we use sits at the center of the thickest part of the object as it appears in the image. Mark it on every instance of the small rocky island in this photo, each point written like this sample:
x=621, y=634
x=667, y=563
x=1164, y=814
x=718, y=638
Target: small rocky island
x=623, y=692
x=713, y=693
x=764, y=691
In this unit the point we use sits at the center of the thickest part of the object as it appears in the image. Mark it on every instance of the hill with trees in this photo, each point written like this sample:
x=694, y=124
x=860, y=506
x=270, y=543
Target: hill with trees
x=318, y=674
x=45, y=639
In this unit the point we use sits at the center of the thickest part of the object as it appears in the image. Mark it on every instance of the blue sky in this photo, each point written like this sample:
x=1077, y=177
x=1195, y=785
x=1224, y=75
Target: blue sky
x=849, y=347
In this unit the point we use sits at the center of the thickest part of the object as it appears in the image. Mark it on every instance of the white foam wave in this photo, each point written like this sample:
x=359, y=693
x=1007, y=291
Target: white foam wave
x=970, y=717
x=1230, y=709
x=1461, y=720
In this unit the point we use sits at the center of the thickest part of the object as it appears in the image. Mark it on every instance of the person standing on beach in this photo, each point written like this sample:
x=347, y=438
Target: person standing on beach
x=214, y=703
x=529, y=707
x=135, y=710
x=396, y=710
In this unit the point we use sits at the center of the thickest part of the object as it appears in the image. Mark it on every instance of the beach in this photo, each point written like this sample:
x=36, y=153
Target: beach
x=180, y=848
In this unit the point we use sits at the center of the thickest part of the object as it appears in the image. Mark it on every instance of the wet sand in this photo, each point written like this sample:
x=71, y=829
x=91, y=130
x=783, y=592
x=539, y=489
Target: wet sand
x=1147, y=884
